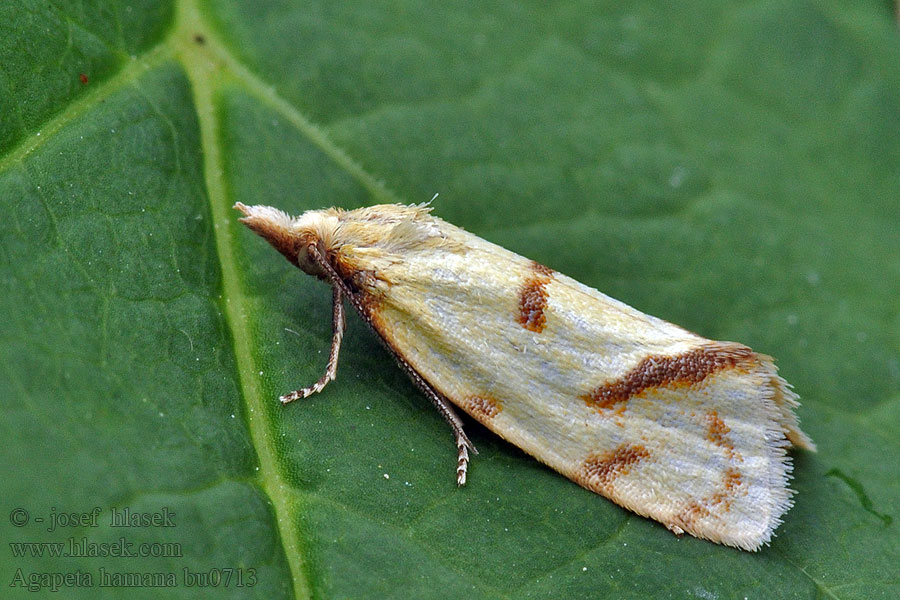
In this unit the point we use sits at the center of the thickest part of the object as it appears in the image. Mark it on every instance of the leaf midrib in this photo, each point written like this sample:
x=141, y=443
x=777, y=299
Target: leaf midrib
x=206, y=78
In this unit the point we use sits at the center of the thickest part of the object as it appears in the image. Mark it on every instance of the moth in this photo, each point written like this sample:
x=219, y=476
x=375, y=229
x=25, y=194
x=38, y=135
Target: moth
x=688, y=431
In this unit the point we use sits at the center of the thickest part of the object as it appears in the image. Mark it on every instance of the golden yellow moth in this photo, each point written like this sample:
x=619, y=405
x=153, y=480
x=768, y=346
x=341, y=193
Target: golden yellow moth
x=675, y=427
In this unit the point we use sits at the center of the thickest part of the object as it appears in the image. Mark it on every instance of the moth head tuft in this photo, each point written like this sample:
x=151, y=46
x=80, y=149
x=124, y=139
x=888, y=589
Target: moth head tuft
x=274, y=225
x=292, y=235
x=261, y=216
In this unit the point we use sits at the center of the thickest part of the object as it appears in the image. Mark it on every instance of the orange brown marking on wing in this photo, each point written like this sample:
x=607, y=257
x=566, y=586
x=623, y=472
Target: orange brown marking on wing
x=687, y=369
x=600, y=471
x=732, y=480
x=533, y=298
x=717, y=432
x=719, y=502
x=484, y=408
x=370, y=306
x=541, y=270
x=691, y=514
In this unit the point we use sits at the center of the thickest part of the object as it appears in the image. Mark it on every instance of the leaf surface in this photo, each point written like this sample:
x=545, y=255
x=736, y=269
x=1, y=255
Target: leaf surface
x=730, y=167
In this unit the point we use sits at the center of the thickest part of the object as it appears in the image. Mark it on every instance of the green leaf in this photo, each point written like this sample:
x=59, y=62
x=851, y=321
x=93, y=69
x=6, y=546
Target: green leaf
x=730, y=167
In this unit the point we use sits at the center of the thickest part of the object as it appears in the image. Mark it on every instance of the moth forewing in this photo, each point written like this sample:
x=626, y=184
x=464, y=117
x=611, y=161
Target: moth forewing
x=685, y=430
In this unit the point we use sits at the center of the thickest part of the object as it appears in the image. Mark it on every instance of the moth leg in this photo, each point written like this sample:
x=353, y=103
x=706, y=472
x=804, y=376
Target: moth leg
x=463, y=445
x=337, y=327
x=443, y=406
x=462, y=441
x=462, y=455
